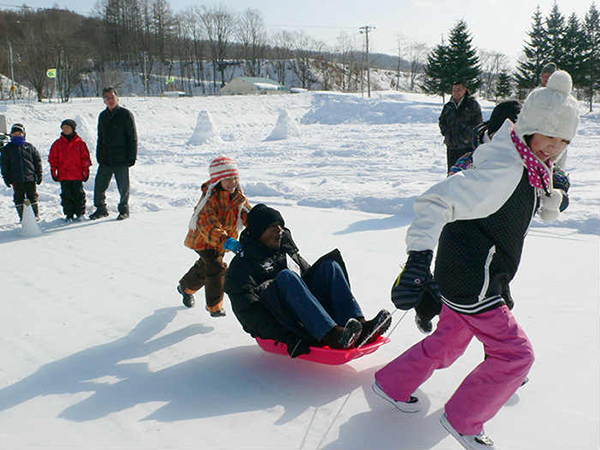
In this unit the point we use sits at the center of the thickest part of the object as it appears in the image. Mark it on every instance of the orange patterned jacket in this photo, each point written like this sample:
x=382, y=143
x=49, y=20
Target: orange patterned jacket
x=218, y=220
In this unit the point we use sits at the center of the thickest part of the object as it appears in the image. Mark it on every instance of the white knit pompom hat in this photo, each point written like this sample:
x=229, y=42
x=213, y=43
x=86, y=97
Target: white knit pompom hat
x=551, y=110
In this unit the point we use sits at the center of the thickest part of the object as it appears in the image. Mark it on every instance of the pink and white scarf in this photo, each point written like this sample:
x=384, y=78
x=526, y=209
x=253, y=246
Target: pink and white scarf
x=538, y=172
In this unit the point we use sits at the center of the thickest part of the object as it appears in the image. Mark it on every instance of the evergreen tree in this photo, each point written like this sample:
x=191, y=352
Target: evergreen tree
x=457, y=61
x=528, y=73
x=556, y=29
x=574, y=46
x=463, y=61
x=503, y=86
x=436, y=71
x=591, y=59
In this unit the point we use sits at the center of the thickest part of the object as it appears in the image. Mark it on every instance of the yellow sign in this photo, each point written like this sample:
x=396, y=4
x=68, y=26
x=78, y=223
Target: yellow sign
x=51, y=73
x=171, y=79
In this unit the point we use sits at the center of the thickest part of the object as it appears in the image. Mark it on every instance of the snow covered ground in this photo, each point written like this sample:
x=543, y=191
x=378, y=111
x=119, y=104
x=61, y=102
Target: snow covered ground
x=98, y=352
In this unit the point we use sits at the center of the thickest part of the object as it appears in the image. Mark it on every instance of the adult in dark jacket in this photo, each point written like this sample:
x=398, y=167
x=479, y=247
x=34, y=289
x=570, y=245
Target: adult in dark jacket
x=22, y=169
x=116, y=152
x=276, y=294
x=458, y=119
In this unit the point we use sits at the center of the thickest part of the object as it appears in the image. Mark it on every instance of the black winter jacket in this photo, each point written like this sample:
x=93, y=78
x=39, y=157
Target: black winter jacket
x=117, y=138
x=254, y=297
x=457, y=122
x=20, y=163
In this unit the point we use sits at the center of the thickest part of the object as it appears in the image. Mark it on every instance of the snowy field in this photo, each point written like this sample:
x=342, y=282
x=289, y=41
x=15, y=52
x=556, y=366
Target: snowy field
x=98, y=351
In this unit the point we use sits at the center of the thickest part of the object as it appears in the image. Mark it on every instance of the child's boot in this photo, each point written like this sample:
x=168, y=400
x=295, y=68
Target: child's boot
x=188, y=299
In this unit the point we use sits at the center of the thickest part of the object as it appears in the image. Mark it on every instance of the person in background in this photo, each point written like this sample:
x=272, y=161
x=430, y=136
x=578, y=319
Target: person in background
x=70, y=163
x=478, y=219
x=547, y=70
x=219, y=215
x=21, y=168
x=460, y=115
x=116, y=152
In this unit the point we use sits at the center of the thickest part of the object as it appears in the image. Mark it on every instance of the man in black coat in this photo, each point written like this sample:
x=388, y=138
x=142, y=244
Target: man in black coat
x=21, y=167
x=276, y=294
x=116, y=152
x=459, y=117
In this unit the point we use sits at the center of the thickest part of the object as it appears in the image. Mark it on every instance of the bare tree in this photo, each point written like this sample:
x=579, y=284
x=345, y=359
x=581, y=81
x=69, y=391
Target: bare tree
x=219, y=26
x=163, y=26
x=281, y=54
x=416, y=55
x=302, y=51
x=492, y=63
x=347, y=49
x=252, y=35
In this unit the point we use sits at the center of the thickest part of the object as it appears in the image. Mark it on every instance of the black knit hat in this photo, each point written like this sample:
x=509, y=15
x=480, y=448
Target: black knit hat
x=69, y=122
x=509, y=109
x=549, y=68
x=18, y=127
x=262, y=217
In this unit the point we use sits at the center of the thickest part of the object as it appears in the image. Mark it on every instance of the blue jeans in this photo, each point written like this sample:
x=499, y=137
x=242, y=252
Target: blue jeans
x=320, y=303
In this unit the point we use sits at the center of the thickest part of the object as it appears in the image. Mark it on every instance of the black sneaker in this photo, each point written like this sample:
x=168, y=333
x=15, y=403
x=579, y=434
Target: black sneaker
x=99, y=213
x=372, y=329
x=123, y=216
x=188, y=299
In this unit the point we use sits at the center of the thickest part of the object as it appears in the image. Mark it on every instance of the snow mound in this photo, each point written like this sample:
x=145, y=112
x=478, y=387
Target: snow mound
x=334, y=109
x=284, y=128
x=29, y=226
x=205, y=132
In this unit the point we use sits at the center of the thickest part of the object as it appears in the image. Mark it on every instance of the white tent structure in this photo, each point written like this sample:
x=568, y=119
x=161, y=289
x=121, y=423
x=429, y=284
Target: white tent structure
x=252, y=85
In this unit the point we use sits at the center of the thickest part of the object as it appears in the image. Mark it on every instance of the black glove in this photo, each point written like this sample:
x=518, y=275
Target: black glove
x=414, y=281
x=297, y=347
x=7, y=183
x=131, y=163
x=38, y=178
x=560, y=180
x=428, y=307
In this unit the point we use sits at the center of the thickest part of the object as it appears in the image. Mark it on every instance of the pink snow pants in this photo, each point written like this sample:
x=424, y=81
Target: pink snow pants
x=485, y=390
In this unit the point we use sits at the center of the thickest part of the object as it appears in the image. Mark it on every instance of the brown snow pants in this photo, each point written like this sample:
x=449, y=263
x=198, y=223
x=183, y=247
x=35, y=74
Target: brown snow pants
x=208, y=272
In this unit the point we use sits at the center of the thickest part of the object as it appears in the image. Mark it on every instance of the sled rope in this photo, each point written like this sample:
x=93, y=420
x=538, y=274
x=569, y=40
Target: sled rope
x=397, y=323
x=334, y=420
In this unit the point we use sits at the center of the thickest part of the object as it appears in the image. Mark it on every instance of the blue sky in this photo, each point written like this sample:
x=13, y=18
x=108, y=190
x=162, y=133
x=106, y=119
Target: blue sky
x=499, y=25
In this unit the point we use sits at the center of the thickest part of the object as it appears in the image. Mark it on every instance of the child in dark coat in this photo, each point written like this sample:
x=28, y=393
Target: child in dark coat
x=21, y=167
x=70, y=163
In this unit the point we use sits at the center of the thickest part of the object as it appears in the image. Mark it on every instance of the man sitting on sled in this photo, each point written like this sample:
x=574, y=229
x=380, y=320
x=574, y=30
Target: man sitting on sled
x=276, y=294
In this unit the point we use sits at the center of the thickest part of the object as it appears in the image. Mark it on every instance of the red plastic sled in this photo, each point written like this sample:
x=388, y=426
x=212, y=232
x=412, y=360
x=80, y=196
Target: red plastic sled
x=324, y=355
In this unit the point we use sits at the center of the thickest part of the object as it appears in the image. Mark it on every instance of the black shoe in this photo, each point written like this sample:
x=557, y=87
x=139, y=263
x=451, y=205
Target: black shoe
x=123, y=216
x=218, y=313
x=69, y=218
x=372, y=329
x=99, y=213
x=188, y=299
x=342, y=338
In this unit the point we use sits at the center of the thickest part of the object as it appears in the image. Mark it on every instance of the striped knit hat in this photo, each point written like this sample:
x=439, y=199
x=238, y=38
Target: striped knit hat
x=222, y=167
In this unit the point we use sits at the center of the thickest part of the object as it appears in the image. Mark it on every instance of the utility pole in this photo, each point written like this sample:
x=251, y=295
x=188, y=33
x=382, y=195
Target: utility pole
x=366, y=30
x=12, y=73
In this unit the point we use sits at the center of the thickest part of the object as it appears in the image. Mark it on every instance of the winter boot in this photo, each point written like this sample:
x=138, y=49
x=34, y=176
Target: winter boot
x=188, y=299
x=217, y=312
x=100, y=212
x=123, y=212
x=20, y=212
x=346, y=337
x=36, y=211
x=413, y=404
x=469, y=441
x=372, y=329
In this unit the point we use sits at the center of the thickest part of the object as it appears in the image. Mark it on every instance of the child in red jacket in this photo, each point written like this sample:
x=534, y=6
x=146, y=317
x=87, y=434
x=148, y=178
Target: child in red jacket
x=70, y=163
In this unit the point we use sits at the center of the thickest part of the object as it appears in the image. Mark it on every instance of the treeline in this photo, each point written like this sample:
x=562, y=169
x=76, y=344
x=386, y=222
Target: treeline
x=145, y=36
x=573, y=44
